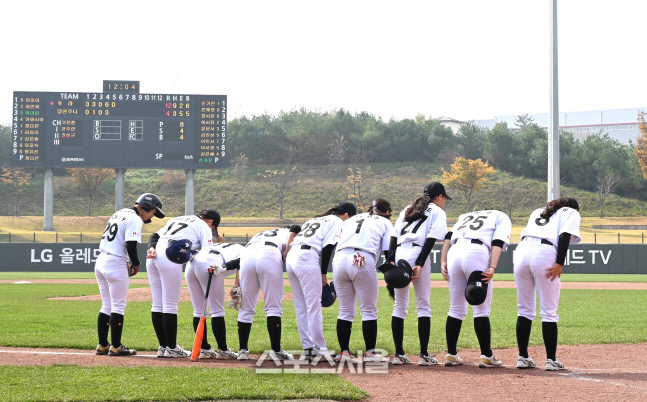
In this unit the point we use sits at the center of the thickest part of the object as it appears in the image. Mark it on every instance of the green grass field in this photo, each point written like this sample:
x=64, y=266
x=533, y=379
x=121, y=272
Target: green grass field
x=29, y=319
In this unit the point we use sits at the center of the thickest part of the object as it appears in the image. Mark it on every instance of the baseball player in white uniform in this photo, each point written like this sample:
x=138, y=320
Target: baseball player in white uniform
x=226, y=258
x=307, y=268
x=355, y=275
x=261, y=268
x=417, y=229
x=538, y=262
x=118, y=244
x=165, y=275
x=475, y=243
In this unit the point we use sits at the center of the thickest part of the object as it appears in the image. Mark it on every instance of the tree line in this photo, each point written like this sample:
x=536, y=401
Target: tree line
x=305, y=137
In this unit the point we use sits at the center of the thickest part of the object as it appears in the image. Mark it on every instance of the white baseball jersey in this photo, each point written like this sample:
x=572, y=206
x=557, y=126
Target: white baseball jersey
x=485, y=226
x=319, y=232
x=189, y=227
x=278, y=237
x=221, y=252
x=366, y=232
x=565, y=220
x=432, y=225
x=125, y=225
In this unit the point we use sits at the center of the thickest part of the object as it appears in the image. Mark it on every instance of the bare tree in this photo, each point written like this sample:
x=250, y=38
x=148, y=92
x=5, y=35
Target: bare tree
x=282, y=182
x=511, y=192
x=606, y=184
x=240, y=164
x=90, y=180
x=355, y=187
x=338, y=153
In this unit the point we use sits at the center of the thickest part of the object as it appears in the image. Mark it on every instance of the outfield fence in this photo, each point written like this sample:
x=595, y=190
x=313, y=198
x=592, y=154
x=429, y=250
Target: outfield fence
x=80, y=257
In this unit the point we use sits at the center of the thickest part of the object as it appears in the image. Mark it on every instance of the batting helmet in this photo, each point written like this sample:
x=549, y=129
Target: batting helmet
x=397, y=276
x=179, y=251
x=328, y=295
x=476, y=290
x=572, y=202
x=148, y=202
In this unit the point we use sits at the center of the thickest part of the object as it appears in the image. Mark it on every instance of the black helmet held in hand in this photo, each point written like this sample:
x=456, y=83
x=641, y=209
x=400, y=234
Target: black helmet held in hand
x=148, y=202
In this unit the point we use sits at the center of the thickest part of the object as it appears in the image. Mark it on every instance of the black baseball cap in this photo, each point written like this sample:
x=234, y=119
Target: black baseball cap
x=345, y=207
x=211, y=214
x=476, y=289
x=435, y=189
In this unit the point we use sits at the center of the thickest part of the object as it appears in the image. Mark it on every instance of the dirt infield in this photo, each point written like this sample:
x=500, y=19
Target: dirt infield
x=594, y=372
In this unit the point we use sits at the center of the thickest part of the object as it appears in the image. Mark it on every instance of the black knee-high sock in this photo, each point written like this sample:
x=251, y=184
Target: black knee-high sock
x=158, y=325
x=452, y=332
x=397, y=328
x=369, y=329
x=116, y=326
x=483, y=333
x=524, y=326
x=219, y=332
x=344, y=329
x=424, y=327
x=274, y=330
x=549, y=330
x=103, y=327
x=169, y=321
x=205, y=343
x=243, y=333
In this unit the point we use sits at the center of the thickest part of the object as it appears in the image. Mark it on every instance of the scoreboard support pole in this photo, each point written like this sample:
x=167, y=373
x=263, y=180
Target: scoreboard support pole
x=120, y=185
x=48, y=201
x=189, y=192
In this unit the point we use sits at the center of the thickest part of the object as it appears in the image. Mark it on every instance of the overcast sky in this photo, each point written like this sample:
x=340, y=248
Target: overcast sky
x=466, y=59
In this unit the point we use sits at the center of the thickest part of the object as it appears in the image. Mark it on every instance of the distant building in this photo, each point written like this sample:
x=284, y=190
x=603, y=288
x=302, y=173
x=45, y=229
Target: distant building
x=621, y=124
x=454, y=124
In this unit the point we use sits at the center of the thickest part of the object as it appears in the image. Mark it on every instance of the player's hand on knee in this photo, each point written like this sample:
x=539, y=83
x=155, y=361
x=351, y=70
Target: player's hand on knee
x=236, y=297
x=415, y=272
x=554, y=272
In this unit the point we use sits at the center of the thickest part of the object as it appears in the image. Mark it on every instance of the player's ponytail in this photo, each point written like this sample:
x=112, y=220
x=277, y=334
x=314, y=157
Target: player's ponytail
x=417, y=209
x=328, y=212
x=553, y=206
x=381, y=207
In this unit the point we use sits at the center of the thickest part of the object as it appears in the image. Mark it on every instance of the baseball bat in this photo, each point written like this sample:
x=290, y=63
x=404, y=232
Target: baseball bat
x=199, y=333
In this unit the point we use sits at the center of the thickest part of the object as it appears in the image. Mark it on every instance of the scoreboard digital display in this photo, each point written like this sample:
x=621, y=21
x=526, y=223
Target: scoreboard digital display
x=119, y=128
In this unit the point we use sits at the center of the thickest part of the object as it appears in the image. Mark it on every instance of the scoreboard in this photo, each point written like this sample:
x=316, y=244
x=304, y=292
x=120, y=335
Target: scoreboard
x=119, y=128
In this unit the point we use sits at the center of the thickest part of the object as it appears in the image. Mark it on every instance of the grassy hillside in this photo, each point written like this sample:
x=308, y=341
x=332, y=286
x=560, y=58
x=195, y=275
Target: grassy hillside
x=244, y=194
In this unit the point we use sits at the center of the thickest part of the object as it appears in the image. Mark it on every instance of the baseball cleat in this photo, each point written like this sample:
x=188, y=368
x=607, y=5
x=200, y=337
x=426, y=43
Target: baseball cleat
x=525, y=362
x=160, y=351
x=102, y=350
x=280, y=355
x=375, y=357
x=178, y=351
x=208, y=354
x=243, y=354
x=553, y=365
x=400, y=359
x=345, y=356
x=427, y=360
x=121, y=351
x=491, y=361
x=226, y=354
x=453, y=360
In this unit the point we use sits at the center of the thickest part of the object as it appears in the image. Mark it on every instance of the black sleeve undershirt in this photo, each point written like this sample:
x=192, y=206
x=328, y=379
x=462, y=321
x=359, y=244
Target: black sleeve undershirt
x=426, y=249
x=448, y=236
x=393, y=245
x=562, y=247
x=152, y=242
x=131, y=248
x=326, y=253
x=295, y=228
x=498, y=243
x=232, y=265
